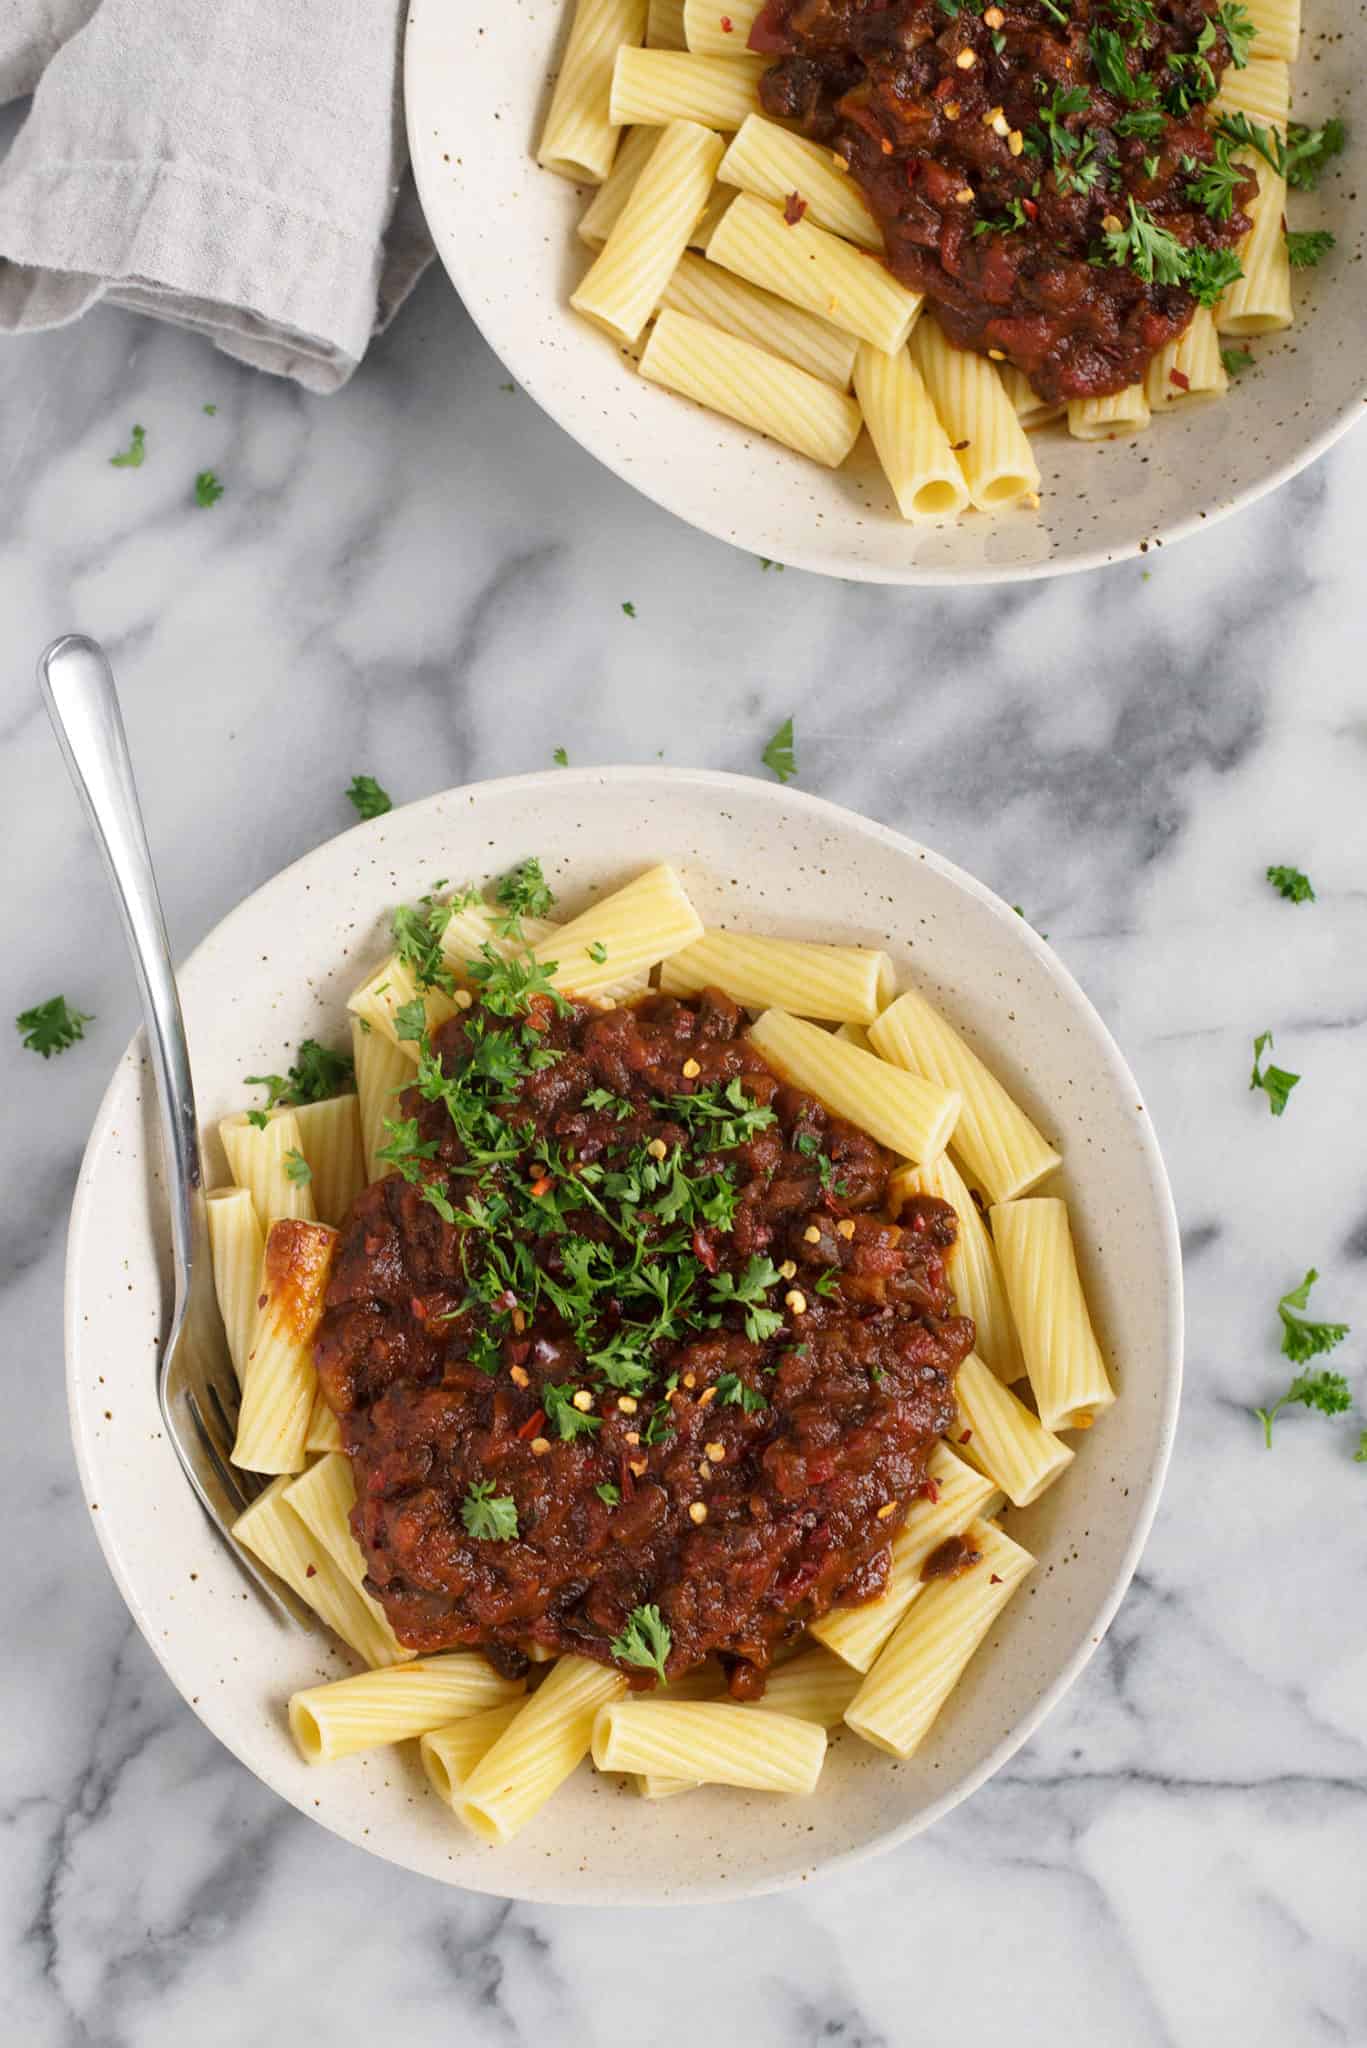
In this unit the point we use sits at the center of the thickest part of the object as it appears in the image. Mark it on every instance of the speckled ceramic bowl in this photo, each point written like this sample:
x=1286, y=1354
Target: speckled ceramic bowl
x=279, y=969
x=477, y=86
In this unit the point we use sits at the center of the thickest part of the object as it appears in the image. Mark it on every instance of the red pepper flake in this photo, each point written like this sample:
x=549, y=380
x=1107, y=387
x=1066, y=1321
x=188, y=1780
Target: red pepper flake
x=418, y=1308
x=532, y=1426
x=794, y=206
x=628, y=1484
x=996, y=1579
x=1182, y=382
x=311, y=1571
x=965, y=1437
x=1029, y=208
x=728, y=27
x=704, y=1251
x=931, y=1490
x=544, y=1185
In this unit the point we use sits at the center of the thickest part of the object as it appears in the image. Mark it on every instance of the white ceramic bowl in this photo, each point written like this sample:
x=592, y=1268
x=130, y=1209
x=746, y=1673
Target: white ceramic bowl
x=476, y=81
x=279, y=969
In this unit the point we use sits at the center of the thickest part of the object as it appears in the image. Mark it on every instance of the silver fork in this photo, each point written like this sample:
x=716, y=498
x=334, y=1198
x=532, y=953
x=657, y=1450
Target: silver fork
x=196, y=1387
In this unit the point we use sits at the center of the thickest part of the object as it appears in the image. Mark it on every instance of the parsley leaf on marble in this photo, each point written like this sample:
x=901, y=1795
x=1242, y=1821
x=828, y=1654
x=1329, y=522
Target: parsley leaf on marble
x=132, y=456
x=489, y=1517
x=370, y=800
x=1303, y=1339
x=1360, y=1454
x=780, y=754
x=645, y=1640
x=560, y=758
x=1292, y=884
x=1325, y=1391
x=52, y=1026
x=208, y=489
x=1275, y=1082
x=630, y=609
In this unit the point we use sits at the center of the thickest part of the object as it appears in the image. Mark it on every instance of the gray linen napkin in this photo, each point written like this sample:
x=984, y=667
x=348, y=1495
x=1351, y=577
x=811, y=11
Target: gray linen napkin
x=235, y=166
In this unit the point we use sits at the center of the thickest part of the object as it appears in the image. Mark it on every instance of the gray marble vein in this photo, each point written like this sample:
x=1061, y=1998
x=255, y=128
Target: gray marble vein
x=424, y=579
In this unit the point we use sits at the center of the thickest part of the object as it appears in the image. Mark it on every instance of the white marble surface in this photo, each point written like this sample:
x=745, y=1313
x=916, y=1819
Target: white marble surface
x=424, y=580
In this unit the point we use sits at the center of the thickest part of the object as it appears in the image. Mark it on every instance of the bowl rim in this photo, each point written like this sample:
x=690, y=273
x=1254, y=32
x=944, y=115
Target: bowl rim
x=479, y=306
x=1145, y=1498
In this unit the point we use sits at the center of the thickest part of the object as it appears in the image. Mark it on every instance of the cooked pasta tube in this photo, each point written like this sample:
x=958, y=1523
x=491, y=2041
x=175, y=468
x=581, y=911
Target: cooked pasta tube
x=814, y=270
x=855, y=1034
x=996, y=458
x=330, y=1140
x=707, y=292
x=1104, y=419
x=1259, y=302
x=645, y=921
x=237, y=1247
x=712, y=213
x=813, y=1686
x=652, y=1785
x=627, y=280
x=323, y=1498
x=973, y=1270
x=749, y=384
x=959, y=1493
x=653, y=87
x=1031, y=410
x=382, y=1071
x=260, y=1157
x=604, y=210
x=280, y=1383
x=542, y=1744
x=775, y=164
x=580, y=135
x=908, y=439
x=1278, y=28
x=909, y=1114
x=1039, y=1266
x=324, y=1430
x=1000, y=1435
x=712, y=1743
x=272, y=1531
x=390, y=989
x=719, y=28
x=380, y=1707
x=451, y=1753
x=665, y=25
x=1262, y=90
x=1189, y=370
x=848, y=984
x=994, y=1137
x=899, y=1700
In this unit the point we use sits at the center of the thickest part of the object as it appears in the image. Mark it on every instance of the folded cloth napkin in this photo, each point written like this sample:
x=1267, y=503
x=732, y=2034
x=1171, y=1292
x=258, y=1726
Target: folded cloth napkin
x=234, y=166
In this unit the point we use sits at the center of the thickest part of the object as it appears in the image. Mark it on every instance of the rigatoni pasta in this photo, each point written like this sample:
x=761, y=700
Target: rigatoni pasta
x=237, y=1247
x=1039, y=1267
x=266, y=1156
x=973, y=1264
x=773, y=163
x=383, y=1069
x=1003, y=1438
x=542, y=1744
x=279, y=1384
x=710, y=1744
x=330, y=1141
x=716, y=28
x=380, y=1707
x=752, y=386
x=814, y=270
x=580, y=135
x=905, y=429
x=847, y=984
x=708, y=293
x=636, y=262
x=993, y=1136
x=997, y=461
x=272, y=1531
x=654, y=87
x=905, y=1112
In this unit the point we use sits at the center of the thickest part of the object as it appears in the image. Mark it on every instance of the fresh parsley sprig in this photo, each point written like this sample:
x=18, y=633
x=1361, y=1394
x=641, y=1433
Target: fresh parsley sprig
x=1327, y=1392
x=780, y=753
x=316, y=1073
x=1302, y=1338
x=1275, y=1082
x=51, y=1027
x=370, y=800
x=1292, y=884
x=645, y=1640
x=489, y=1517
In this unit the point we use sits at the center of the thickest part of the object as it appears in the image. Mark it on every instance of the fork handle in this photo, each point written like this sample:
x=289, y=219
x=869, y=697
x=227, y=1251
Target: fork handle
x=82, y=702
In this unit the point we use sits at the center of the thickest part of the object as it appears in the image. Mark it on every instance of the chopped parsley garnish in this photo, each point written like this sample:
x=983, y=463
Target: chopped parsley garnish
x=736, y=1392
x=52, y=1026
x=1290, y=882
x=209, y=409
x=1239, y=33
x=208, y=489
x=1235, y=361
x=765, y=564
x=1212, y=186
x=749, y=1290
x=258, y=1119
x=370, y=800
x=489, y=1517
x=630, y=609
x=132, y=456
x=524, y=892
x=418, y=932
x=298, y=1168
x=1157, y=256
x=1194, y=82
x=317, y=1073
x=1305, y=246
x=645, y=1640
x=1275, y=1082
x=1303, y=1339
x=558, y=1402
x=507, y=986
x=560, y=757
x=1325, y=1391
x=597, y=952
x=723, y=1116
x=1145, y=121
x=1111, y=58
x=1300, y=159
x=610, y=1495
x=1360, y=1454
x=780, y=755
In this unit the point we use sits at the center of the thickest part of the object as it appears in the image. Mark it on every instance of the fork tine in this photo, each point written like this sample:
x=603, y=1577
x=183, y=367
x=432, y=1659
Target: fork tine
x=229, y=1478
